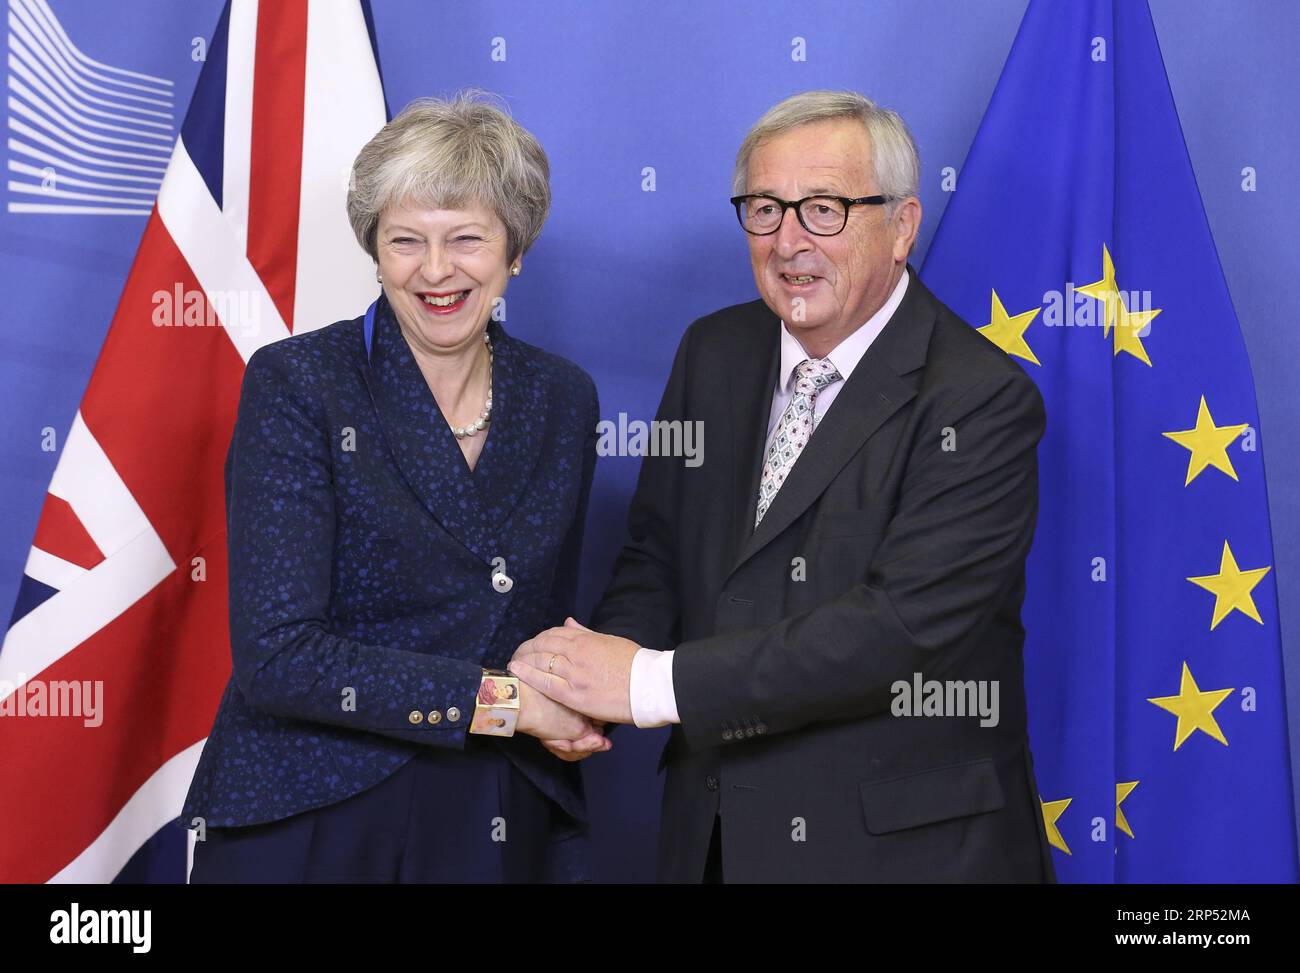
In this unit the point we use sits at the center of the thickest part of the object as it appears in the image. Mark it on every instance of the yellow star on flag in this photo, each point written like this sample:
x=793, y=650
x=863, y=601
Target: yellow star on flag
x=1127, y=326
x=1008, y=333
x=1231, y=588
x=1127, y=323
x=1208, y=444
x=1051, y=811
x=1104, y=290
x=1122, y=791
x=1194, y=709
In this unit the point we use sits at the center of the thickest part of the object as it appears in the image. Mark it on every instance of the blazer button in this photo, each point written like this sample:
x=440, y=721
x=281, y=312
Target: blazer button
x=760, y=729
x=502, y=582
x=435, y=716
x=749, y=731
x=711, y=782
x=416, y=717
x=453, y=714
x=726, y=734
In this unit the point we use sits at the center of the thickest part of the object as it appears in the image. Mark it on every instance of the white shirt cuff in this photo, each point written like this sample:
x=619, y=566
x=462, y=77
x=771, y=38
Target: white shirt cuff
x=651, y=688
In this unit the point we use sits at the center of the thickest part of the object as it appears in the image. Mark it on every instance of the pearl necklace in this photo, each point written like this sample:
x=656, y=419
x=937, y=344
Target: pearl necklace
x=485, y=416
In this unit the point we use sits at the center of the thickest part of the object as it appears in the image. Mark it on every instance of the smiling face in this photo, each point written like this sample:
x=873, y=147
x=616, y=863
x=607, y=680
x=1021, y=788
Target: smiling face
x=854, y=272
x=442, y=271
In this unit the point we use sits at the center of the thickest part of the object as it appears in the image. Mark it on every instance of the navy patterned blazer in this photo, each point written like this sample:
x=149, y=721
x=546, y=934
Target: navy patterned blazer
x=362, y=554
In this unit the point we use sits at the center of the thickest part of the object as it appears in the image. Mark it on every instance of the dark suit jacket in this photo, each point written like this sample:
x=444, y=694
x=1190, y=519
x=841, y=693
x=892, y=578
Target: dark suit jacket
x=362, y=555
x=884, y=554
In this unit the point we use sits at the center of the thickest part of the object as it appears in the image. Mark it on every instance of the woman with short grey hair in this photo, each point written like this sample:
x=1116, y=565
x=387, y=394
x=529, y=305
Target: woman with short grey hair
x=406, y=497
x=453, y=151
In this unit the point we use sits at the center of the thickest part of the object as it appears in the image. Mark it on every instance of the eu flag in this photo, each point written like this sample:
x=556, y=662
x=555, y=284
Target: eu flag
x=1076, y=241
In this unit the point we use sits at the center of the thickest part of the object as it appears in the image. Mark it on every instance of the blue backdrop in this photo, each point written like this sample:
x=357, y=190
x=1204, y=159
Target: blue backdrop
x=619, y=272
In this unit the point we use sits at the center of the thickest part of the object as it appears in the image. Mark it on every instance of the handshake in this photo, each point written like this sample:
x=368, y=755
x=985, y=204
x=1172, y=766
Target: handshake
x=572, y=682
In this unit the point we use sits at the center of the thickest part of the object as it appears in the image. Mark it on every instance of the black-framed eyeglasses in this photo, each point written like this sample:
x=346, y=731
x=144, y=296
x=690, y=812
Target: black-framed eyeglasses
x=761, y=214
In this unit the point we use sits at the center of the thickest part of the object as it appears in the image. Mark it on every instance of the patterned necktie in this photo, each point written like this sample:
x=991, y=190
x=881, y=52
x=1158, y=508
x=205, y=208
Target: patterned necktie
x=794, y=428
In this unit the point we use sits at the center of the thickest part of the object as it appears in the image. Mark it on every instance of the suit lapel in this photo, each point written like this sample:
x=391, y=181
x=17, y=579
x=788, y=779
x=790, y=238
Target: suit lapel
x=749, y=385
x=873, y=393
x=470, y=505
x=520, y=407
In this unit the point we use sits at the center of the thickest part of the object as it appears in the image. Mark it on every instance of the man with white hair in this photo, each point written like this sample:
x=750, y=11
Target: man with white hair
x=818, y=607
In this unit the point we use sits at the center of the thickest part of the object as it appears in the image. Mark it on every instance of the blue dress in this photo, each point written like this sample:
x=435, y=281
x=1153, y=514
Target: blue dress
x=363, y=609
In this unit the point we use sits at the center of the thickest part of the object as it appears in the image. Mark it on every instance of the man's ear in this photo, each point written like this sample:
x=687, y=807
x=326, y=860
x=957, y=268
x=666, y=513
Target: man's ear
x=907, y=223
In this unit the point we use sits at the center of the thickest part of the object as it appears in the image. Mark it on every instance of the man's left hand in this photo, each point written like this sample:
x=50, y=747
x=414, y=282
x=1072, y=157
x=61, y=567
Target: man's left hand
x=581, y=669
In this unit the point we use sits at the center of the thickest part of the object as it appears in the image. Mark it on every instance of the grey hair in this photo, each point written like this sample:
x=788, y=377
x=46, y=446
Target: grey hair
x=447, y=154
x=894, y=160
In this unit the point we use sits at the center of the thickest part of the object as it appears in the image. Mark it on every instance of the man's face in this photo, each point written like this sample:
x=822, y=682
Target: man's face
x=853, y=272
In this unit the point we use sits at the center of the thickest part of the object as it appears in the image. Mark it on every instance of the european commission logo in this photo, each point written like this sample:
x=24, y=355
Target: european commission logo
x=85, y=138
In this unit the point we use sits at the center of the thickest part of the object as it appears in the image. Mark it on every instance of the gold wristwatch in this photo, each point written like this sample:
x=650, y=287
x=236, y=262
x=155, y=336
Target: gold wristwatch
x=496, y=710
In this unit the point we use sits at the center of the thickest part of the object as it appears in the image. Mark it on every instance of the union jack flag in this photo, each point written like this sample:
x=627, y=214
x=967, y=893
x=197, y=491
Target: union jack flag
x=125, y=586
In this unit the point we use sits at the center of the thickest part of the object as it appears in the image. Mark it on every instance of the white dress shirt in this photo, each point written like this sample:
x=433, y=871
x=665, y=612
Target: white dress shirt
x=654, y=703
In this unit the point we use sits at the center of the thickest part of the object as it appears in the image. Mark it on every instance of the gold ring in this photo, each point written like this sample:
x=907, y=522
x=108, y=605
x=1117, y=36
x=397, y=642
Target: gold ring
x=550, y=666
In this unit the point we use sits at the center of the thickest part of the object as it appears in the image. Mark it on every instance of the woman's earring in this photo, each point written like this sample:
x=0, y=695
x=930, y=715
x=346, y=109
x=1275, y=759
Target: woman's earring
x=379, y=278
x=514, y=271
